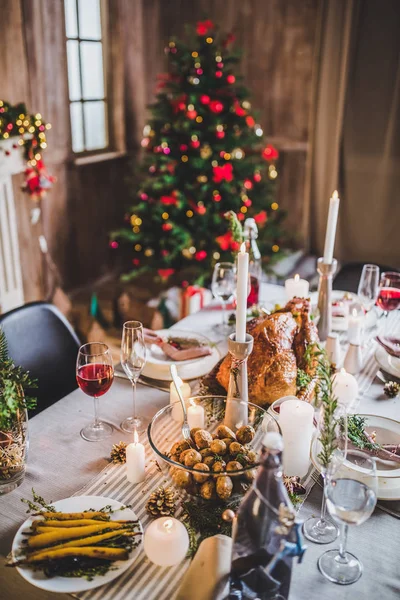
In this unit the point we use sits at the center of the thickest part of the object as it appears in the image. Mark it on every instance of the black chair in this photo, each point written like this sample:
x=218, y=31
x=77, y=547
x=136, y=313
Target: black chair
x=41, y=340
x=349, y=275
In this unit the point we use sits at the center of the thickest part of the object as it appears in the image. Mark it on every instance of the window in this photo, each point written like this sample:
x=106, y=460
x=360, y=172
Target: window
x=86, y=80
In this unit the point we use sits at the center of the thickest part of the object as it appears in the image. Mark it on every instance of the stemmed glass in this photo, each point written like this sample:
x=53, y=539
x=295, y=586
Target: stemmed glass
x=350, y=501
x=95, y=374
x=133, y=359
x=223, y=287
x=328, y=452
x=368, y=287
x=389, y=294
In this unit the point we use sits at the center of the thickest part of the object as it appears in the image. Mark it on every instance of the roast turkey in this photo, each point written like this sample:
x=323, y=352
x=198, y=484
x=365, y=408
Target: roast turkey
x=280, y=344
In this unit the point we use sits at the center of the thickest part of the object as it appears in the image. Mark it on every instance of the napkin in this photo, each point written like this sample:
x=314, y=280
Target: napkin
x=208, y=576
x=151, y=337
x=391, y=345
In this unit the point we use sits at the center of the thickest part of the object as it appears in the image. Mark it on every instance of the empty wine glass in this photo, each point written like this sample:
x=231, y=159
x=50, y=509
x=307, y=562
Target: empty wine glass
x=368, y=287
x=389, y=295
x=351, y=500
x=328, y=452
x=133, y=359
x=223, y=287
x=95, y=374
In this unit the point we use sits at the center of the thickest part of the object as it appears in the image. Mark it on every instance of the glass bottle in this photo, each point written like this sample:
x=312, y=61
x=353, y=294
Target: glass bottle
x=265, y=535
x=250, y=234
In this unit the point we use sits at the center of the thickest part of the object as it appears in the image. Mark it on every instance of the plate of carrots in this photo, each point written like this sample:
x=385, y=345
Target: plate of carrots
x=77, y=544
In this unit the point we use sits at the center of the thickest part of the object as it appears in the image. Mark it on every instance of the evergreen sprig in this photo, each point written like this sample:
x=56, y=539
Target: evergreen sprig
x=356, y=433
x=13, y=383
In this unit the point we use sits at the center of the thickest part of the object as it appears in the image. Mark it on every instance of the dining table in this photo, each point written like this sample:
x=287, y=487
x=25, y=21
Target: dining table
x=62, y=464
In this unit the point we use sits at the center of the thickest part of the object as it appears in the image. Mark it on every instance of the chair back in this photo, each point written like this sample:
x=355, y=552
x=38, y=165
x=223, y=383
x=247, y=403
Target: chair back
x=42, y=341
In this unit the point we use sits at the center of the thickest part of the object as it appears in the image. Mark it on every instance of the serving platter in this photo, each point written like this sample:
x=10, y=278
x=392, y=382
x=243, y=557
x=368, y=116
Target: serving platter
x=158, y=364
x=70, y=585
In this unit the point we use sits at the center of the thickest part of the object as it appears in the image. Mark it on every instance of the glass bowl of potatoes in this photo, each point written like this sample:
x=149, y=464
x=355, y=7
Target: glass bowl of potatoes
x=218, y=462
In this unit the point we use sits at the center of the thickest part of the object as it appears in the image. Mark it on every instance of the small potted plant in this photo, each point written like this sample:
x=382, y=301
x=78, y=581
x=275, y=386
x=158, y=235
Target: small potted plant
x=14, y=405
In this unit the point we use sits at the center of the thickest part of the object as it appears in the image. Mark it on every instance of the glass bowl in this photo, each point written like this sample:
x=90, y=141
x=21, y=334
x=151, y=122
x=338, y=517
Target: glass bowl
x=217, y=483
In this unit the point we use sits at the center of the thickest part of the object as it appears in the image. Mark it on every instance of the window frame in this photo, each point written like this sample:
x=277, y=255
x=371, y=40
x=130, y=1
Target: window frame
x=104, y=46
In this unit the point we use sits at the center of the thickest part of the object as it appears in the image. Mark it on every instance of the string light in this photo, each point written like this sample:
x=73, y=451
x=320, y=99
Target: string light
x=192, y=250
x=184, y=158
x=138, y=247
x=243, y=209
x=214, y=163
x=190, y=106
x=148, y=252
x=258, y=131
x=218, y=58
x=275, y=248
x=195, y=54
x=199, y=119
x=227, y=156
x=209, y=40
x=274, y=206
x=165, y=215
x=189, y=213
x=216, y=255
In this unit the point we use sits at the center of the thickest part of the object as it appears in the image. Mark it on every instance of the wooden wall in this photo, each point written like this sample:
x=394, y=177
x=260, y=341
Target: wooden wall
x=278, y=38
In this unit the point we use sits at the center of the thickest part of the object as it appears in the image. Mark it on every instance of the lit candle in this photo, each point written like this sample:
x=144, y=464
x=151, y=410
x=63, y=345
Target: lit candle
x=296, y=287
x=296, y=422
x=344, y=387
x=135, y=460
x=186, y=392
x=242, y=292
x=195, y=415
x=356, y=321
x=331, y=228
x=166, y=542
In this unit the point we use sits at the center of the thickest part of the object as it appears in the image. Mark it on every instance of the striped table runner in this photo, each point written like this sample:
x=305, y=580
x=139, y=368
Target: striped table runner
x=145, y=581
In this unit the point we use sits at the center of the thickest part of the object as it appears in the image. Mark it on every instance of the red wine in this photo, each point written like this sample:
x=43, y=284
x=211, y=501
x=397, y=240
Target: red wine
x=389, y=298
x=254, y=291
x=95, y=379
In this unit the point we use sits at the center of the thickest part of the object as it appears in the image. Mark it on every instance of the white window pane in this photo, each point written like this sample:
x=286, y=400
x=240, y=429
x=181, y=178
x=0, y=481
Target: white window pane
x=95, y=125
x=71, y=22
x=74, y=81
x=89, y=19
x=92, y=70
x=77, y=127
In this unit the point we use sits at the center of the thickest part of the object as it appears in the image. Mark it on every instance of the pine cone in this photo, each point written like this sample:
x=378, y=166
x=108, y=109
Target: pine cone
x=118, y=453
x=161, y=502
x=391, y=389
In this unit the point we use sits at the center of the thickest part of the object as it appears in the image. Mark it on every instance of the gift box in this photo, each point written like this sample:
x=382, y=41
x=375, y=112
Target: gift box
x=193, y=299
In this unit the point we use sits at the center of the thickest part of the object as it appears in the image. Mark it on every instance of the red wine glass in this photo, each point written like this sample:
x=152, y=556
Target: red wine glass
x=95, y=374
x=389, y=293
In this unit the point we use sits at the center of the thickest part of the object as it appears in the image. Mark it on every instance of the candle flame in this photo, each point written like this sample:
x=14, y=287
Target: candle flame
x=135, y=437
x=243, y=248
x=335, y=195
x=168, y=524
x=296, y=278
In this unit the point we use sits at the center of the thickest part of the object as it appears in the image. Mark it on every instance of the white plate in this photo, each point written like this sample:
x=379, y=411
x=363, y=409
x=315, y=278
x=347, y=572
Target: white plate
x=382, y=358
x=70, y=585
x=157, y=364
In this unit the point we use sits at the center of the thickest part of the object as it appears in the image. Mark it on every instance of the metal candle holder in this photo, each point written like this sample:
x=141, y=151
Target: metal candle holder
x=326, y=272
x=236, y=412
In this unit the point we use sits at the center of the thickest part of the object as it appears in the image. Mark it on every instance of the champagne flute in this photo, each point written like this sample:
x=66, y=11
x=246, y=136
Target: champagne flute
x=328, y=452
x=389, y=294
x=223, y=287
x=368, y=287
x=95, y=374
x=350, y=501
x=133, y=359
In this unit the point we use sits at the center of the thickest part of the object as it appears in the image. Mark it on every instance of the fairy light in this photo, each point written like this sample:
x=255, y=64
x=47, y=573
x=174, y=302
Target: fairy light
x=274, y=206
x=275, y=248
x=190, y=106
x=138, y=247
x=195, y=54
x=199, y=119
x=216, y=255
x=165, y=215
x=192, y=250
x=184, y=158
x=243, y=209
x=136, y=229
x=189, y=213
x=209, y=40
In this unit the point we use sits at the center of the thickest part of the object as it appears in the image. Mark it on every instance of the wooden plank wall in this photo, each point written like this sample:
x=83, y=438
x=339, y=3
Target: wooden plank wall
x=278, y=38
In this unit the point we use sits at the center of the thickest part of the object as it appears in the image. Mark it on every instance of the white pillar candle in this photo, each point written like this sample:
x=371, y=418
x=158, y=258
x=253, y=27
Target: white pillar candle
x=296, y=287
x=356, y=321
x=242, y=292
x=177, y=413
x=344, y=387
x=296, y=422
x=331, y=228
x=166, y=542
x=135, y=460
x=195, y=415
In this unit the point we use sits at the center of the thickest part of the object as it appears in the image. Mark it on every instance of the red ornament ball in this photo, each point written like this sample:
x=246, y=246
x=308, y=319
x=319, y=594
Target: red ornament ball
x=166, y=226
x=261, y=217
x=240, y=216
x=199, y=71
x=218, y=74
x=185, y=284
x=204, y=99
x=183, y=147
x=250, y=121
x=200, y=255
x=191, y=114
x=270, y=152
x=164, y=252
x=114, y=245
x=203, y=27
x=257, y=177
x=195, y=144
x=231, y=79
x=136, y=261
x=201, y=210
x=216, y=106
x=217, y=197
x=220, y=65
x=144, y=196
x=240, y=111
x=248, y=184
x=220, y=134
x=247, y=202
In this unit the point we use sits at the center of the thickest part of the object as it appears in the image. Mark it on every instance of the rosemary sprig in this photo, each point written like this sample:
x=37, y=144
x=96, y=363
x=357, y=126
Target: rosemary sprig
x=38, y=504
x=302, y=379
x=356, y=433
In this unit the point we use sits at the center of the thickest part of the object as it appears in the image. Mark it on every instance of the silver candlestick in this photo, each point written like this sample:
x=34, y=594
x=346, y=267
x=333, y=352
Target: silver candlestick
x=326, y=272
x=236, y=412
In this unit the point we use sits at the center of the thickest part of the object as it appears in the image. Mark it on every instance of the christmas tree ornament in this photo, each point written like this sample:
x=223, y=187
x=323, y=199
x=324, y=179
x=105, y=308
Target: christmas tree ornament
x=118, y=453
x=391, y=389
x=161, y=502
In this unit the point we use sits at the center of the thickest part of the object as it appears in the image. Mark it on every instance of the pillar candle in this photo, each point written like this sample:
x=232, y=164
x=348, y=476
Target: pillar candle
x=331, y=228
x=296, y=287
x=356, y=321
x=344, y=387
x=135, y=460
x=176, y=412
x=195, y=415
x=166, y=542
x=296, y=422
x=242, y=292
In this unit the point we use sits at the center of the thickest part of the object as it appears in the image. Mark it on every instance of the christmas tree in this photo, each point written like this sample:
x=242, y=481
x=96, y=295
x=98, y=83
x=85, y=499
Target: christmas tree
x=204, y=155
